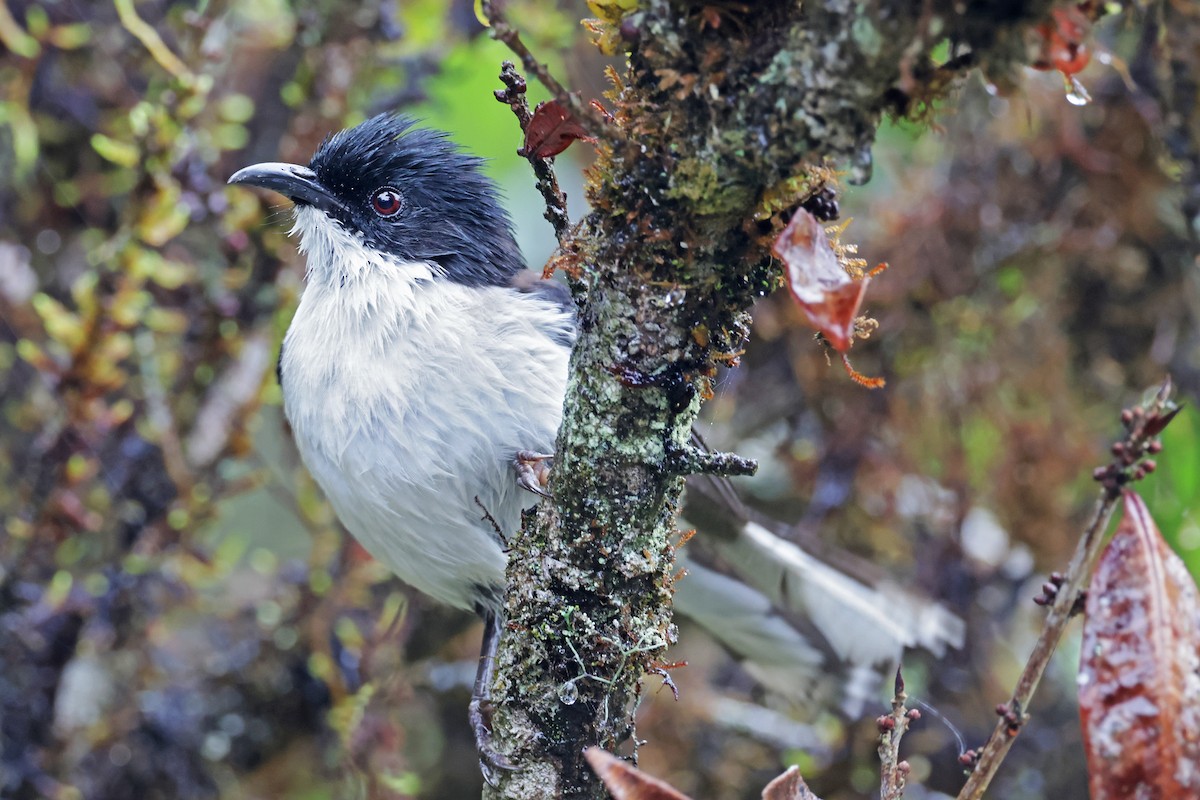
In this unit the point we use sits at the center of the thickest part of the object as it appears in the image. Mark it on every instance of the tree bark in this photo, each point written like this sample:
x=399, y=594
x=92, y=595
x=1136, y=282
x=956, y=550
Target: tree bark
x=724, y=110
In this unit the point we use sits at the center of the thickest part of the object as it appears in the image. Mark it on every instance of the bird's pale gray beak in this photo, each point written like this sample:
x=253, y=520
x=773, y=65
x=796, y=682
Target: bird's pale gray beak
x=298, y=183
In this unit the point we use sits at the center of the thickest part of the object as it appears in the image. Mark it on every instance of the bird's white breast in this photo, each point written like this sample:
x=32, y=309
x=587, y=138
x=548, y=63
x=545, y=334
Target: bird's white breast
x=408, y=396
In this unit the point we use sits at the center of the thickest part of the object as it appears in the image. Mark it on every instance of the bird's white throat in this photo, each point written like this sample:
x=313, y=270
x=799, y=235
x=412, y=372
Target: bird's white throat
x=336, y=256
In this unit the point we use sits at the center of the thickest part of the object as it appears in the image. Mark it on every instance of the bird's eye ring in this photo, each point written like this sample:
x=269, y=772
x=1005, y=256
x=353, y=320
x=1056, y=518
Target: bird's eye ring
x=386, y=201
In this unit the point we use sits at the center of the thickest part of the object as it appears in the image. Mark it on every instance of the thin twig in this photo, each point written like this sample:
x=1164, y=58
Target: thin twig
x=487, y=516
x=231, y=397
x=1143, y=425
x=503, y=31
x=152, y=41
x=893, y=772
x=547, y=183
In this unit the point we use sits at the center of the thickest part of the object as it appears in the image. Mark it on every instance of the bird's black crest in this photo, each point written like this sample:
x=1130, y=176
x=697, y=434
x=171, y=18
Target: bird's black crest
x=451, y=213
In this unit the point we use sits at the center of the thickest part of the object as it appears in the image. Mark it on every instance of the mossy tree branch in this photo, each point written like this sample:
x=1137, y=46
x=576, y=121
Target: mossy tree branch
x=724, y=108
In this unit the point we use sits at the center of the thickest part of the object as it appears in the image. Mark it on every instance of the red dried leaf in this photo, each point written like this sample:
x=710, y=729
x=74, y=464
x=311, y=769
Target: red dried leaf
x=1139, y=675
x=829, y=297
x=626, y=782
x=789, y=786
x=1063, y=41
x=551, y=130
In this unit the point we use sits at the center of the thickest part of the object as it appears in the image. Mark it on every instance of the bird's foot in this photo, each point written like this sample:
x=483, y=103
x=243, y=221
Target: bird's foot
x=491, y=761
x=533, y=471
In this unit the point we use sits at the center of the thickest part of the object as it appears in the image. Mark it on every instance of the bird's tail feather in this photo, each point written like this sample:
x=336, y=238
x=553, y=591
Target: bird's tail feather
x=800, y=622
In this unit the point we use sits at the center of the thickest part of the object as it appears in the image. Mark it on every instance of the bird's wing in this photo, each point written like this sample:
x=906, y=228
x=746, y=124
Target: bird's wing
x=555, y=293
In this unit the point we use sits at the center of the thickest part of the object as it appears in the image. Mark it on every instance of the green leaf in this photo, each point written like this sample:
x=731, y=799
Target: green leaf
x=236, y=107
x=70, y=37
x=164, y=215
x=123, y=154
x=24, y=134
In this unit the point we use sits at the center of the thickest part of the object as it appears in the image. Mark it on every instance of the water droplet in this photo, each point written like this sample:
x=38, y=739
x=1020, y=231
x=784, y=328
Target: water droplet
x=1076, y=94
x=861, y=165
x=568, y=693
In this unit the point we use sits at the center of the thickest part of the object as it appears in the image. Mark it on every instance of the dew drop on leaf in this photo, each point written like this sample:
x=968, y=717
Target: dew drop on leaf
x=1077, y=95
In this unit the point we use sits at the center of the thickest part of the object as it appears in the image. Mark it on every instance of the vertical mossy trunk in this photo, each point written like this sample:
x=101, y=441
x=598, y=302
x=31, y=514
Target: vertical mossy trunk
x=724, y=110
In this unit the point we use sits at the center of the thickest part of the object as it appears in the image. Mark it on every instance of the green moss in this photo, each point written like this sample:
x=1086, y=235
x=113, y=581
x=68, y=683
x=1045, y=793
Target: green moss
x=708, y=192
x=786, y=194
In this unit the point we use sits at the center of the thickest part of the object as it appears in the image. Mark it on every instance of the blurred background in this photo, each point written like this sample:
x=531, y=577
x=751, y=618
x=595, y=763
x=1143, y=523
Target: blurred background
x=181, y=615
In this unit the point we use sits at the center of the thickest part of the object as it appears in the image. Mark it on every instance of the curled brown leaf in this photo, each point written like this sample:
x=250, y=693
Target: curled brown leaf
x=1139, y=676
x=829, y=297
x=788, y=786
x=551, y=130
x=625, y=781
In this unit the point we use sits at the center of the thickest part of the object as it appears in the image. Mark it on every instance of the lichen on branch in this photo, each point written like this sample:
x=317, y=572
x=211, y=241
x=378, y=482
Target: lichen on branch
x=720, y=106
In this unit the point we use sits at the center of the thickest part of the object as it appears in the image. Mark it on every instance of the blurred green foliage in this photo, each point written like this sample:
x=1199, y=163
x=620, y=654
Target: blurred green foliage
x=142, y=307
x=1173, y=491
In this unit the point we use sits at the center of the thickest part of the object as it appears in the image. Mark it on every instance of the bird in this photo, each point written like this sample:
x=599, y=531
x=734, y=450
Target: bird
x=423, y=377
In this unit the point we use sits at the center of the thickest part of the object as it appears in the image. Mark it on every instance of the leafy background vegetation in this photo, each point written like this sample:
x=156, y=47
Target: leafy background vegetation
x=180, y=614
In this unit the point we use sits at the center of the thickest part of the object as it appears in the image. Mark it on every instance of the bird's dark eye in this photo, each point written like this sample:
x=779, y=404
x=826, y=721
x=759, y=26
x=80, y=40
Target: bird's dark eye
x=386, y=202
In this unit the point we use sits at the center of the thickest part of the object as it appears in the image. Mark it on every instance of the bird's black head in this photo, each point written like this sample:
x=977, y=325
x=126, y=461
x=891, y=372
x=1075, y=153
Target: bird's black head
x=409, y=192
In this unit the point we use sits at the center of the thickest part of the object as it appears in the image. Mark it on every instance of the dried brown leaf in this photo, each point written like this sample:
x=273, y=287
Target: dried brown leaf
x=627, y=782
x=1139, y=676
x=829, y=297
x=551, y=130
x=789, y=786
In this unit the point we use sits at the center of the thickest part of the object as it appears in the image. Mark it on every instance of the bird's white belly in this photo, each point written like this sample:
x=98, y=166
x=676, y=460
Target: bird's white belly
x=406, y=421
